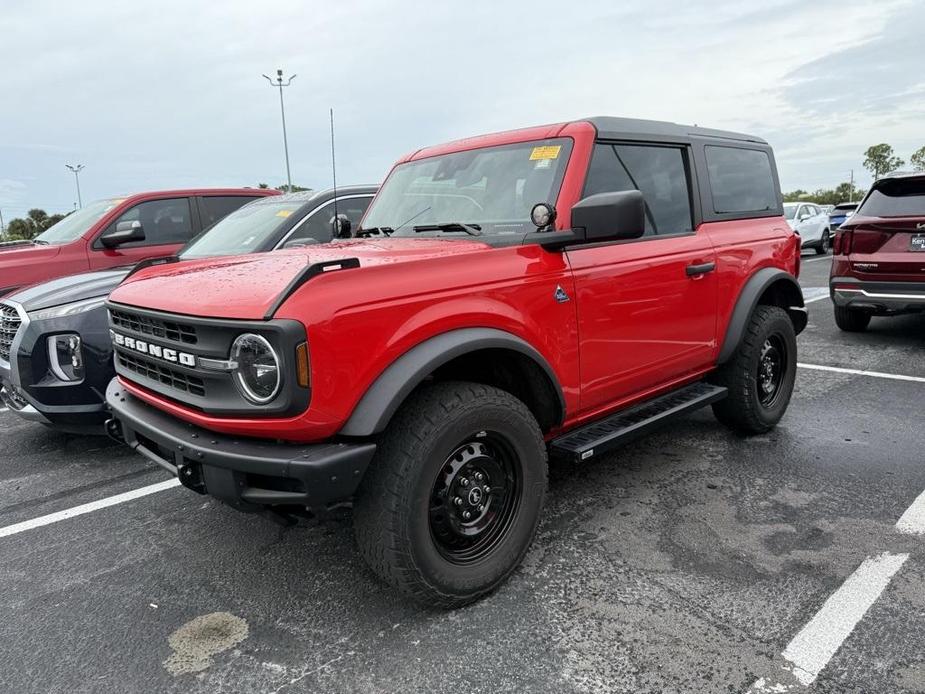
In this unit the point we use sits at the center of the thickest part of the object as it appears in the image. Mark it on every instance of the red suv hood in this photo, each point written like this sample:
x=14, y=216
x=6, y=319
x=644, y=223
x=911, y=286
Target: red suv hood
x=245, y=287
x=22, y=265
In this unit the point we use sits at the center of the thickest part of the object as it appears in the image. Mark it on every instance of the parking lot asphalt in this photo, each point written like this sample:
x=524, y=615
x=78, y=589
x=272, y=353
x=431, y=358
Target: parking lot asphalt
x=690, y=561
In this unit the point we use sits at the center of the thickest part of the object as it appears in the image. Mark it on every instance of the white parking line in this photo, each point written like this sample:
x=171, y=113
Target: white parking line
x=913, y=520
x=87, y=508
x=859, y=372
x=817, y=298
x=4, y=409
x=812, y=649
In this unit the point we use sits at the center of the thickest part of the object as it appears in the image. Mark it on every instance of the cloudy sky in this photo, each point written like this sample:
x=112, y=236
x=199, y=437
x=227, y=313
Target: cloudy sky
x=168, y=93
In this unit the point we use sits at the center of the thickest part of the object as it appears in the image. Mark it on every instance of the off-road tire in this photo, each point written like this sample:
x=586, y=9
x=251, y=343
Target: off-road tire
x=392, y=521
x=851, y=320
x=742, y=410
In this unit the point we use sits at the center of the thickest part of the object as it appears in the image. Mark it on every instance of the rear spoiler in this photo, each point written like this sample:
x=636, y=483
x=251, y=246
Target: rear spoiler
x=305, y=275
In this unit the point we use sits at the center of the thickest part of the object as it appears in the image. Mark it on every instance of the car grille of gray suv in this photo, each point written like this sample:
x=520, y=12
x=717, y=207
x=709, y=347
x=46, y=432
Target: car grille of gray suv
x=9, y=325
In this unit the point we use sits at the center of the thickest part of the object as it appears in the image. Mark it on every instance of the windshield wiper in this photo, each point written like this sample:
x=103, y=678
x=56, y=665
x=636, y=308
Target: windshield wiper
x=471, y=229
x=385, y=231
x=39, y=242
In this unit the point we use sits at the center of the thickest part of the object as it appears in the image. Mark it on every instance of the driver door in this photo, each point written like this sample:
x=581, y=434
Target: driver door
x=167, y=225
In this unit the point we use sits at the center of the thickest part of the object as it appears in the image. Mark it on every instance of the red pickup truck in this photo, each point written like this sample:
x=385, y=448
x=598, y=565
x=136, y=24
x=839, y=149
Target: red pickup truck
x=118, y=231
x=557, y=290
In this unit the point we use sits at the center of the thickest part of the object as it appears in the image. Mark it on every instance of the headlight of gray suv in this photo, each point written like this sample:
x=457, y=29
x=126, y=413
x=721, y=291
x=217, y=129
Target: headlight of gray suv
x=68, y=309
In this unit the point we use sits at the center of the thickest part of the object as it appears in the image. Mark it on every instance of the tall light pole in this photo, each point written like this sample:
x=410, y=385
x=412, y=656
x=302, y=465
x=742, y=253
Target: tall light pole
x=278, y=82
x=77, y=169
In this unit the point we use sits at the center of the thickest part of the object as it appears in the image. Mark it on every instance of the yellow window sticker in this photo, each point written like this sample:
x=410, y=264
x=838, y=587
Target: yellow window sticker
x=284, y=213
x=545, y=152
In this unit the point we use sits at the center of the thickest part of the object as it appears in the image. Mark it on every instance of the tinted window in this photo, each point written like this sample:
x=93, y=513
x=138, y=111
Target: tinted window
x=896, y=198
x=741, y=180
x=318, y=225
x=214, y=207
x=659, y=173
x=163, y=221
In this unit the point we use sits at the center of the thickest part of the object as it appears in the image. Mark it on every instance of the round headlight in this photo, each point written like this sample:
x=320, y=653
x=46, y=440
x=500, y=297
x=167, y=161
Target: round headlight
x=257, y=373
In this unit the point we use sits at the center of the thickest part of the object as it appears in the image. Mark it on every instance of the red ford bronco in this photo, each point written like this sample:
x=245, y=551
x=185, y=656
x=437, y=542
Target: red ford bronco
x=553, y=291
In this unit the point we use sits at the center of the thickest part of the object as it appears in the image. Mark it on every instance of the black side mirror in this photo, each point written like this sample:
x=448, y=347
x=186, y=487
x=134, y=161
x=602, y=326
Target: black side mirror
x=125, y=232
x=610, y=216
x=340, y=227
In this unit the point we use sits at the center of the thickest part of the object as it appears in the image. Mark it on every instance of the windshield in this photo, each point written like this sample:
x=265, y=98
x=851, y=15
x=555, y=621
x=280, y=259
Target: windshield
x=896, y=198
x=76, y=223
x=244, y=230
x=790, y=211
x=492, y=189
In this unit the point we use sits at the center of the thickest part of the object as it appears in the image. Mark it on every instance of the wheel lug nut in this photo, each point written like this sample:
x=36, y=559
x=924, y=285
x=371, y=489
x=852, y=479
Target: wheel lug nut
x=481, y=507
x=487, y=490
x=479, y=477
x=457, y=501
x=464, y=482
x=467, y=515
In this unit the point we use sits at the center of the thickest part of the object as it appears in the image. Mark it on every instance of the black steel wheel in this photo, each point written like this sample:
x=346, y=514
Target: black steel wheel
x=760, y=375
x=453, y=497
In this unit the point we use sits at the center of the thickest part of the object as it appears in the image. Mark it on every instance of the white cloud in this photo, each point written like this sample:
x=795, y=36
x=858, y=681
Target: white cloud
x=170, y=94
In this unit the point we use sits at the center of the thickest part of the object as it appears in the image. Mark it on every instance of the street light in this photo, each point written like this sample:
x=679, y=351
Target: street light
x=77, y=169
x=278, y=82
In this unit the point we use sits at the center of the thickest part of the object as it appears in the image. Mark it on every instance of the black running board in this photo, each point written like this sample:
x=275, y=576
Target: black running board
x=621, y=427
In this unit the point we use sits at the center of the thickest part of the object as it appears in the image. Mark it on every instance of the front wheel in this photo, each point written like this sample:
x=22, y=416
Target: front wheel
x=453, y=497
x=760, y=375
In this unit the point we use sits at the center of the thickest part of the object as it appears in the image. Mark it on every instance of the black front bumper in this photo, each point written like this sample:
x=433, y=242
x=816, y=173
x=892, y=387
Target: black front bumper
x=249, y=474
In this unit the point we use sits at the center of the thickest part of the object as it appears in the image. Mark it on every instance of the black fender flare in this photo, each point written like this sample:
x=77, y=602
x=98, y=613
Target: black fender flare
x=751, y=293
x=383, y=398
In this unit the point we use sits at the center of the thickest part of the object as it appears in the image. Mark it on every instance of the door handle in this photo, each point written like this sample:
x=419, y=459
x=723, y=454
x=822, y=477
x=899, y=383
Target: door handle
x=701, y=269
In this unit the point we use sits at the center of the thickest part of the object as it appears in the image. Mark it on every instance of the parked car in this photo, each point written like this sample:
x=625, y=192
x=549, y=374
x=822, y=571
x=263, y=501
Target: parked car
x=826, y=209
x=55, y=351
x=840, y=213
x=558, y=289
x=878, y=267
x=118, y=231
x=811, y=223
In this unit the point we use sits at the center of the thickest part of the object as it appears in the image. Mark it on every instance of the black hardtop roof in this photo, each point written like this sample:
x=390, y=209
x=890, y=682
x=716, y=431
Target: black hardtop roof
x=612, y=128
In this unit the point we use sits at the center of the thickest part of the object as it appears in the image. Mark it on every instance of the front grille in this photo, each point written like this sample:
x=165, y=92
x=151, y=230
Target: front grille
x=156, y=327
x=9, y=325
x=163, y=374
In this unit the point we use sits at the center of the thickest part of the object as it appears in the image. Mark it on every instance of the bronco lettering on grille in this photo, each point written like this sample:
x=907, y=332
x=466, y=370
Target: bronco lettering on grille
x=156, y=351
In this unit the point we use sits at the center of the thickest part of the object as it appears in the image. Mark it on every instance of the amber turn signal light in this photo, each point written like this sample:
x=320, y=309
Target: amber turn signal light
x=301, y=358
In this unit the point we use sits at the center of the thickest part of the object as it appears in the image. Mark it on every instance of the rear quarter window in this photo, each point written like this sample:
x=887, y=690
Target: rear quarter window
x=895, y=198
x=741, y=180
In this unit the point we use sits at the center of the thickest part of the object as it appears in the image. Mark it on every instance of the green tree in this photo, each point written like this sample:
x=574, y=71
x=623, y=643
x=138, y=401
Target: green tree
x=797, y=195
x=880, y=160
x=918, y=159
x=295, y=189
x=34, y=223
x=262, y=186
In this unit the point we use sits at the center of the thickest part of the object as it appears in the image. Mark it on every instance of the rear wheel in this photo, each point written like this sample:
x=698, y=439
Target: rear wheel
x=823, y=246
x=851, y=320
x=453, y=498
x=760, y=375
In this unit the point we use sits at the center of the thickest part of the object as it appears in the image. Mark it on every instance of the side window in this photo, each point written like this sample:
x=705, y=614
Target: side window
x=318, y=224
x=659, y=173
x=214, y=207
x=163, y=221
x=741, y=180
